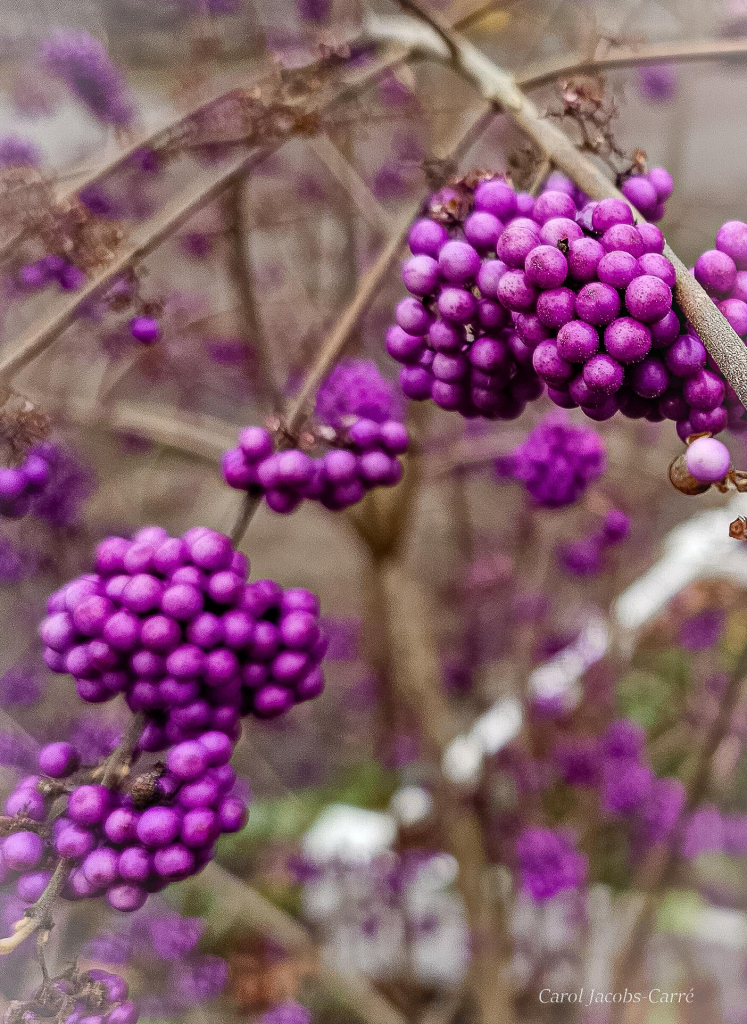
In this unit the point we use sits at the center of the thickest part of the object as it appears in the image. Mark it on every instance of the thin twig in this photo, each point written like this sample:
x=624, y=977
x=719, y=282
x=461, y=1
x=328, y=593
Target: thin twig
x=37, y=914
x=239, y=263
x=660, y=865
x=122, y=756
x=548, y=72
x=249, y=507
x=340, y=168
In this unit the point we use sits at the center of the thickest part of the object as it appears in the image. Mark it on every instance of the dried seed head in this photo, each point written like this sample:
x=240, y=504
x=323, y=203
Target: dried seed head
x=144, y=788
x=680, y=478
x=738, y=529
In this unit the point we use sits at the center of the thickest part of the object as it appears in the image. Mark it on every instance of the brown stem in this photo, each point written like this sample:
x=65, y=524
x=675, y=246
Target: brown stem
x=249, y=507
x=248, y=910
x=631, y=56
x=411, y=619
x=500, y=88
x=341, y=168
x=241, y=272
x=122, y=757
x=660, y=866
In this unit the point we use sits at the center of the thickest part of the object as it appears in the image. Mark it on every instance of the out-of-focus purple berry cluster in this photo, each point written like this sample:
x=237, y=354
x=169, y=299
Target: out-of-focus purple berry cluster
x=83, y=64
x=160, y=947
x=549, y=863
x=556, y=462
x=19, y=485
x=75, y=996
x=585, y=557
x=628, y=788
x=50, y=269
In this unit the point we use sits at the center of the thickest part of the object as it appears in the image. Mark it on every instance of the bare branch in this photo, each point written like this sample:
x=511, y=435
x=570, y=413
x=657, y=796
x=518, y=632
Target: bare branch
x=631, y=56
x=351, y=181
x=256, y=914
x=241, y=272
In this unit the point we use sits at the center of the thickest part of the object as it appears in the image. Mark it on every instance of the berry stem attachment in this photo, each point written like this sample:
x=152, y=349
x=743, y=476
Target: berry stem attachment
x=121, y=758
x=38, y=915
x=249, y=506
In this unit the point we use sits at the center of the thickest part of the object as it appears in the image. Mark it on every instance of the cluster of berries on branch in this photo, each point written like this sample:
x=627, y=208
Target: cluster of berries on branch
x=511, y=295
x=77, y=996
x=122, y=843
x=352, y=448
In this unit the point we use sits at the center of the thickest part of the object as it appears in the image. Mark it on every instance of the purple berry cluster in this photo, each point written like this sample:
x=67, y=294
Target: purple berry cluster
x=453, y=335
x=83, y=64
x=48, y=270
x=556, y=462
x=628, y=788
x=160, y=948
x=585, y=557
x=549, y=863
x=172, y=623
x=93, y=997
x=122, y=844
x=361, y=424
x=19, y=485
x=510, y=294
x=649, y=192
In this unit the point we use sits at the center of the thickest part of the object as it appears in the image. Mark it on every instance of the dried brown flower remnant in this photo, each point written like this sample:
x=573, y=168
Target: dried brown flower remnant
x=586, y=103
x=738, y=528
x=21, y=426
x=277, y=107
x=24, y=192
x=56, y=999
x=682, y=480
x=144, y=788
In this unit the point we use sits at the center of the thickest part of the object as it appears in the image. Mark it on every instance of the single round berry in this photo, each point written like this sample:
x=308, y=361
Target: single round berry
x=707, y=459
x=22, y=851
x=145, y=329
x=627, y=340
x=597, y=303
x=716, y=272
x=546, y=267
x=648, y=298
x=58, y=759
